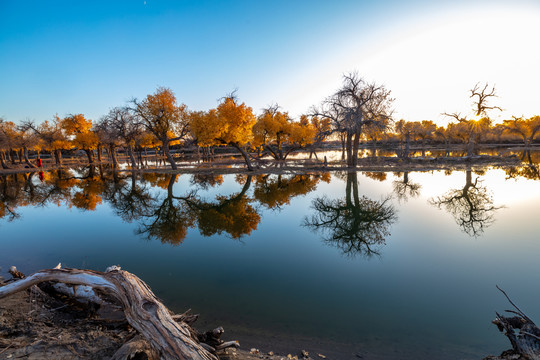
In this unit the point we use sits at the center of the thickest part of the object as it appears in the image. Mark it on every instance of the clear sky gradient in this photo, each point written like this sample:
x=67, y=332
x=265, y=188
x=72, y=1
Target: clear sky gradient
x=88, y=56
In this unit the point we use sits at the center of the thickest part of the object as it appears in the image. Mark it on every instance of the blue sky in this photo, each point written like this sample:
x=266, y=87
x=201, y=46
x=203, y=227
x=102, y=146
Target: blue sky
x=86, y=57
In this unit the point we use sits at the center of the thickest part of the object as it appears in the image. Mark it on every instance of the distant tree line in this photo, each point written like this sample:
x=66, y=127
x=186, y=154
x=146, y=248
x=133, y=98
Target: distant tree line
x=358, y=112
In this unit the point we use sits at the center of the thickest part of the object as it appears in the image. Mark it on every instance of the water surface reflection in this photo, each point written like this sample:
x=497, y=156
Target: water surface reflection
x=238, y=244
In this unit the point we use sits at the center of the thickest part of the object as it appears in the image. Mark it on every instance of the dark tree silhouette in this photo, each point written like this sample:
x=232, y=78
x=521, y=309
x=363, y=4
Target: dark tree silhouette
x=130, y=202
x=482, y=97
x=355, y=225
x=472, y=207
x=354, y=107
x=405, y=189
x=168, y=220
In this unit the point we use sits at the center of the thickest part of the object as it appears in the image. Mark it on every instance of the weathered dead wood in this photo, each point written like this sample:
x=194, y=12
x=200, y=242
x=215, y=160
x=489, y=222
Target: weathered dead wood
x=143, y=310
x=16, y=273
x=134, y=348
x=522, y=332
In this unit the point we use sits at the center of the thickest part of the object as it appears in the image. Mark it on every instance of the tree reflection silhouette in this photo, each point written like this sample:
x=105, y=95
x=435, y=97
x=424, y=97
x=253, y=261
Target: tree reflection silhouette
x=276, y=191
x=10, y=195
x=232, y=214
x=206, y=181
x=168, y=220
x=528, y=170
x=161, y=215
x=472, y=206
x=405, y=189
x=130, y=202
x=355, y=225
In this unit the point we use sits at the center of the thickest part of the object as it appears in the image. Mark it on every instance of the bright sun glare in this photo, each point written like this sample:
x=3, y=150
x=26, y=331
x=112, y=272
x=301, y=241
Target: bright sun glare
x=430, y=63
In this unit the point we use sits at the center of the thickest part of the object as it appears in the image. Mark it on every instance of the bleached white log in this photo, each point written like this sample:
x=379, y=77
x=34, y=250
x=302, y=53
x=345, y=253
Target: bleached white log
x=143, y=310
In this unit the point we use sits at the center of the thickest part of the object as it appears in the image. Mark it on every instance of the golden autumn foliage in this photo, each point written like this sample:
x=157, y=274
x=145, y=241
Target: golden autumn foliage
x=52, y=134
x=235, y=122
x=8, y=135
x=205, y=127
x=302, y=133
x=207, y=180
x=230, y=123
x=147, y=140
x=274, y=129
x=171, y=224
x=80, y=129
x=89, y=195
x=528, y=129
x=234, y=216
x=162, y=115
x=157, y=179
x=275, y=191
x=376, y=175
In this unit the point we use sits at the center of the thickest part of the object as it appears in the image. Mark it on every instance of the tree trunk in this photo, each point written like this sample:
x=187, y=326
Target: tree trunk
x=12, y=155
x=2, y=163
x=245, y=155
x=132, y=157
x=99, y=150
x=356, y=143
x=470, y=149
x=26, y=160
x=349, y=150
x=139, y=152
x=272, y=152
x=90, y=155
x=342, y=139
x=143, y=310
x=58, y=156
x=168, y=154
x=112, y=154
x=407, y=146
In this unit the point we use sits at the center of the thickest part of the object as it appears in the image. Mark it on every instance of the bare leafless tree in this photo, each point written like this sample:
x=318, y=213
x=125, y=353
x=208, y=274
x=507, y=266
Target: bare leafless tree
x=123, y=127
x=355, y=105
x=480, y=104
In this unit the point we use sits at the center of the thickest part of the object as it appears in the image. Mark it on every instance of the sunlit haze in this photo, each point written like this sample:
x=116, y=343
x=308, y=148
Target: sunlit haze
x=75, y=57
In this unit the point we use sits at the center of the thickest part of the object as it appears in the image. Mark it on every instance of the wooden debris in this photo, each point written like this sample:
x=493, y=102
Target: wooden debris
x=143, y=310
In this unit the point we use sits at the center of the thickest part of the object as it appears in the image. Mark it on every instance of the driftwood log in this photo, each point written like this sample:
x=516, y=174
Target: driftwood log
x=168, y=338
x=522, y=332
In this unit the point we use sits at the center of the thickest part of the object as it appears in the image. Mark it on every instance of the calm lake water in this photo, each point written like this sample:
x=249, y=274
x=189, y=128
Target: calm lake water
x=371, y=265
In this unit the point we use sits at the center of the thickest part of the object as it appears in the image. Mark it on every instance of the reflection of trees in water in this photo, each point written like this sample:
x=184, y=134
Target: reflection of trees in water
x=167, y=219
x=355, y=225
x=232, y=214
x=529, y=169
x=130, y=200
x=405, y=189
x=170, y=218
x=236, y=215
x=10, y=195
x=206, y=181
x=274, y=191
x=530, y=172
x=376, y=175
x=161, y=215
x=472, y=206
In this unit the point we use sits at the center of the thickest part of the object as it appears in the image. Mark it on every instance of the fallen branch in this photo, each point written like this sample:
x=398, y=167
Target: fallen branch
x=143, y=310
x=522, y=332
